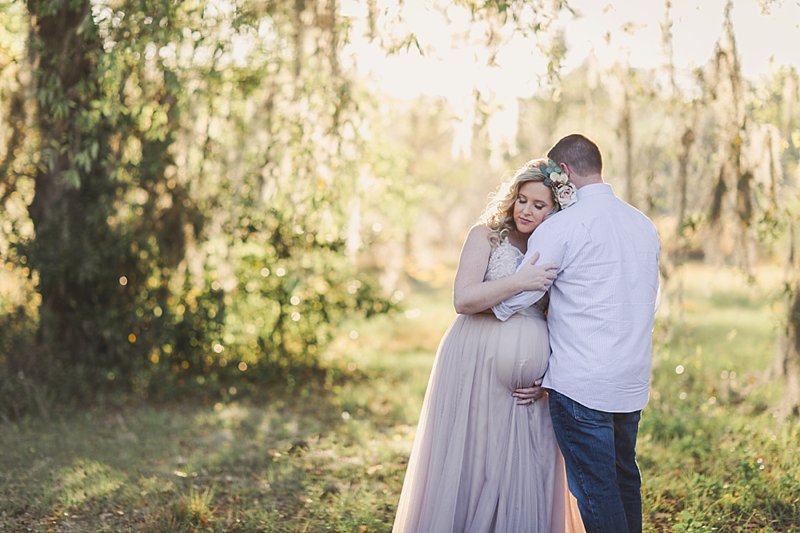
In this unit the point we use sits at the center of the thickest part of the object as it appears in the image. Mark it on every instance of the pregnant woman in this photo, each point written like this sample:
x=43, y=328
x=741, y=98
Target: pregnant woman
x=483, y=460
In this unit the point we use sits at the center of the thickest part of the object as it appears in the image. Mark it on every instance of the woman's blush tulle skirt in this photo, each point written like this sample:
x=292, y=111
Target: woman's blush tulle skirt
x=481, y=463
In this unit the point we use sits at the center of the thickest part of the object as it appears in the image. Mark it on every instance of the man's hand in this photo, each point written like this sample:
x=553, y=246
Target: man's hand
x=529, y=395
x=533, y=277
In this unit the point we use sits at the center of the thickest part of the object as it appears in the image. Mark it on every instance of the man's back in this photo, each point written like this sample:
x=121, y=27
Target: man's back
x=602, y=302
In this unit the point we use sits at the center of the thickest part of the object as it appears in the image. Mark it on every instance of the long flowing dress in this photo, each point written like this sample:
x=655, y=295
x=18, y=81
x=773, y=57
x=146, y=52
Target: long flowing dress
x=481, y=463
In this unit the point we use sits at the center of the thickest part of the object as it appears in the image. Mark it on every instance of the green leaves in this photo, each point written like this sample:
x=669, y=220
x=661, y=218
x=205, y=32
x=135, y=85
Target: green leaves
x=172, y=134
x=72, y=177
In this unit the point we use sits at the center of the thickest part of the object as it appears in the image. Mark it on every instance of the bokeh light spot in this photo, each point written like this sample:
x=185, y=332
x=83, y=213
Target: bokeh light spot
x=353, y=286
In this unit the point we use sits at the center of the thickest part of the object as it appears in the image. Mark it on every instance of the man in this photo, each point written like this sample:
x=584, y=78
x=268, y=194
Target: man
x=602, y=307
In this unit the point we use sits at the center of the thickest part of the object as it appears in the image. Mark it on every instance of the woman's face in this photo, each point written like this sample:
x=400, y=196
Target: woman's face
x=533, y=203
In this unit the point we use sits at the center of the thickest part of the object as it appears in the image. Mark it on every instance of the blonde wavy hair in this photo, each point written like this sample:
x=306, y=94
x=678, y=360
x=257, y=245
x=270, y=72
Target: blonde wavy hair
x=499, y=214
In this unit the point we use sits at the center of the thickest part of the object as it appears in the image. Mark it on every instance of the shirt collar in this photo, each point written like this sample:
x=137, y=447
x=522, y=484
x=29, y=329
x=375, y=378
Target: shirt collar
x=593, y=189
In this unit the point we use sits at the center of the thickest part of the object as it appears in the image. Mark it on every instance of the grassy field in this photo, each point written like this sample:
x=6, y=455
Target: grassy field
x=330, y=455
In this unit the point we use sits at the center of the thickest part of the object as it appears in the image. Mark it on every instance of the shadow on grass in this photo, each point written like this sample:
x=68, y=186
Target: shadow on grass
x=239, y=465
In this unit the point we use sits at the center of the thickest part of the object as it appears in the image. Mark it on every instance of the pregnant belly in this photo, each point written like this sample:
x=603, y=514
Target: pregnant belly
x=522, y=351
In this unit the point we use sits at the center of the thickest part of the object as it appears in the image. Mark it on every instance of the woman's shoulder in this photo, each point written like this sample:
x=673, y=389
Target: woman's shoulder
x=480, y=236
x=479, y=229
x=483, y=233
x=480, y=232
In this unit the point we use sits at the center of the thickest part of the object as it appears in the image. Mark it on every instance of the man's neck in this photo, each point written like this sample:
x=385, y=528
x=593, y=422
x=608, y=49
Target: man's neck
x=582, y=181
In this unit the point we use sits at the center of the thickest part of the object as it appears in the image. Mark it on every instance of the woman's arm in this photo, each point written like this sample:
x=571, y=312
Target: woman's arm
x=472, y=295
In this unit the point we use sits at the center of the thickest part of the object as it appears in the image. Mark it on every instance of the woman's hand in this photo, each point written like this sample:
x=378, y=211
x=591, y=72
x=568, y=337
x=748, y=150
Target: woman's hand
x=533, y=277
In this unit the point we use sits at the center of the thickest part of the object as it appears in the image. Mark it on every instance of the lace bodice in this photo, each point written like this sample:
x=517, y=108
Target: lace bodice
x=503, y=261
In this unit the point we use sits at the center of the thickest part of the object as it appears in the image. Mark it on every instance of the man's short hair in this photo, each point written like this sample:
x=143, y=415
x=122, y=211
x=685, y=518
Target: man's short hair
x=579, y=153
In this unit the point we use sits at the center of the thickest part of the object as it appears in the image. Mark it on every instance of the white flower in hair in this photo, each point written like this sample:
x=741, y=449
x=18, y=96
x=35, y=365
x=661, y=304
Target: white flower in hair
x=566, y=195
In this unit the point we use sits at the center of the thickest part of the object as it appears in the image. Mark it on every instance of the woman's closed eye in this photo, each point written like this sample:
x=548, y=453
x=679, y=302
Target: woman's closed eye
x=537, y=205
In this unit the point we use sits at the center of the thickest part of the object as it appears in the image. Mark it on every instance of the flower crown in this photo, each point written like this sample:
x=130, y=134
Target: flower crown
x=563, y=190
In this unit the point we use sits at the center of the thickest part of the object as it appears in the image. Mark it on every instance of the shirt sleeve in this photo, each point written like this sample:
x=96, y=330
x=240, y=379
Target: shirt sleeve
x=550, y=244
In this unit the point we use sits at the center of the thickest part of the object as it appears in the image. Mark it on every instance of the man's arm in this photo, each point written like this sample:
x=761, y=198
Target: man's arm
x=551, y=250
x=522, y=300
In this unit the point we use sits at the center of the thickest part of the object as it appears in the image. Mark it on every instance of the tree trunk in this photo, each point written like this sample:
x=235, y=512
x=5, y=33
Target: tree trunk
x=789, y=357
x=625, y=133
x=793, y=355
x=687, y=141
x=744, y=207
x=786, y=365
x=72, y=249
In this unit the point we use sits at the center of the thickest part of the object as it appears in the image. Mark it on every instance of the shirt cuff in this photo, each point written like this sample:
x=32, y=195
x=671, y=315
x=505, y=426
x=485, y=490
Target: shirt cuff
x=502, y=311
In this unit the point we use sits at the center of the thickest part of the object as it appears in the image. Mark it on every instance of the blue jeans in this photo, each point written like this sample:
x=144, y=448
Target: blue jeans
x=599, y=450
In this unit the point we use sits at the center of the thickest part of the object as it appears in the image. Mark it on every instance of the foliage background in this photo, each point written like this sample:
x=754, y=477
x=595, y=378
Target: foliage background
x=217, y=203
